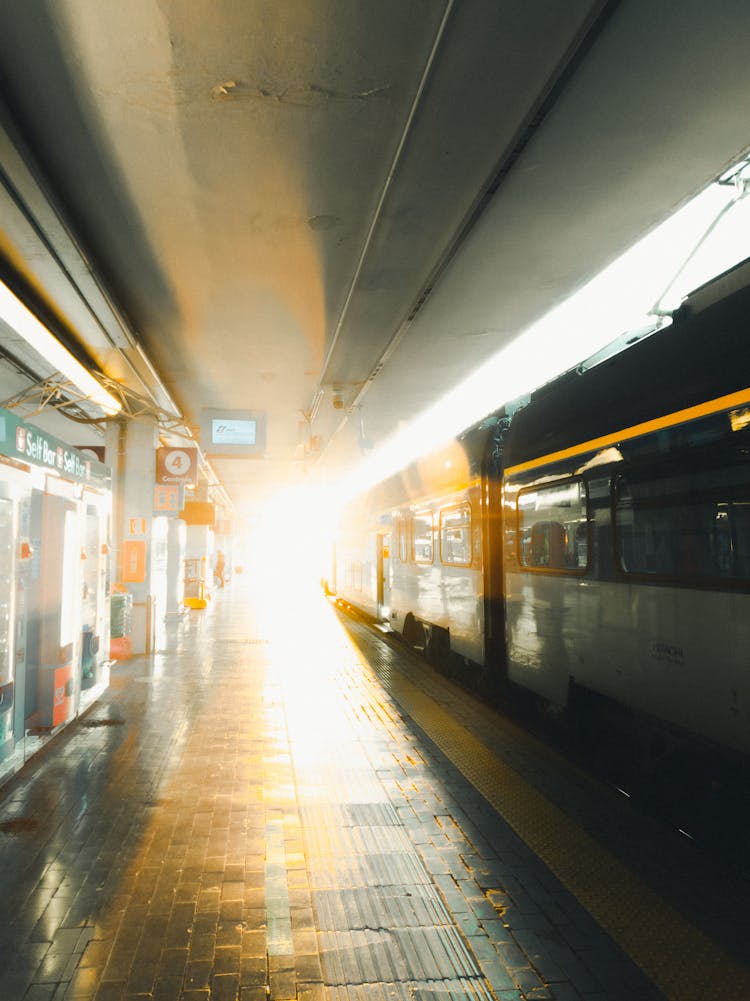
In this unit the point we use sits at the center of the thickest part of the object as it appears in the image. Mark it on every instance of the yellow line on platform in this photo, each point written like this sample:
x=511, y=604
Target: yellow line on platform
x=684, y=963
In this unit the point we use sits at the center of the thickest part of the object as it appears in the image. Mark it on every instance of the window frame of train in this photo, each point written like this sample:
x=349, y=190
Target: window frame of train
x=402, y=547
x=578, y=548
x=699, y=511
x=463, y=509
x=424, y=516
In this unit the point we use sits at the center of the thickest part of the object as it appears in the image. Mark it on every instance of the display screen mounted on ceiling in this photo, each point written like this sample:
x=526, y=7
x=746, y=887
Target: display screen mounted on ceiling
x=233, y=432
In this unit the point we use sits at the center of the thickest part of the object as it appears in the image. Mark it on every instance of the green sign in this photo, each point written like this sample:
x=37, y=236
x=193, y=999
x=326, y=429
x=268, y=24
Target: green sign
x=27, y=443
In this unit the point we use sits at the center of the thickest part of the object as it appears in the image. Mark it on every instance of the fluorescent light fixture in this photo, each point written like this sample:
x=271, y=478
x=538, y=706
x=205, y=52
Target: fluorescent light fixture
x=20, y=319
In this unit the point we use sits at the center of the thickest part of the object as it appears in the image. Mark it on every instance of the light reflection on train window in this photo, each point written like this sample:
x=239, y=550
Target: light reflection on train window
x=687, y=525
x=401, y=537
x=455, y=536
x=353, y=574
x=422, y=537
x=553, y=528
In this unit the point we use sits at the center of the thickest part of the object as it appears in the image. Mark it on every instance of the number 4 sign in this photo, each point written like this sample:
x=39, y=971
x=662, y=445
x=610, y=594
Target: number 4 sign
x=176, y=465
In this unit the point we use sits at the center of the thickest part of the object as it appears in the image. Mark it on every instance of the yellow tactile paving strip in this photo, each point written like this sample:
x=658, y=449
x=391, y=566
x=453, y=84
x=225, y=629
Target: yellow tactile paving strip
x=684, y=963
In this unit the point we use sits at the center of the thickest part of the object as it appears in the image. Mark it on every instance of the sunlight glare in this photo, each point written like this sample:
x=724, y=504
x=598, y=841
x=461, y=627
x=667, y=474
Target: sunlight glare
x=291, y=538
x=619, y=299
x=308, y=654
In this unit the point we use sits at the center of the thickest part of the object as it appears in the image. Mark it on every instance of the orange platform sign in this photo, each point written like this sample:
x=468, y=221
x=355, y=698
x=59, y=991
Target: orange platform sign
x=134, y=561
x=166, y=498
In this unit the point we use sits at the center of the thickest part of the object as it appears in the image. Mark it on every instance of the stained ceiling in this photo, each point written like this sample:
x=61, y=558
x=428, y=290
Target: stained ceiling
x=331, y=211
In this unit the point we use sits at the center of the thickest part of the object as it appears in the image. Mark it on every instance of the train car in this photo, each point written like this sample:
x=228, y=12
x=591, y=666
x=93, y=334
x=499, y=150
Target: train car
x=412, y=552
x=626, y=493
x=594, y=549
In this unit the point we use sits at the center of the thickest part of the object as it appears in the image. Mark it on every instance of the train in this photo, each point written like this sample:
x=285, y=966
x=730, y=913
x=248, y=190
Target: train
x=589, y=546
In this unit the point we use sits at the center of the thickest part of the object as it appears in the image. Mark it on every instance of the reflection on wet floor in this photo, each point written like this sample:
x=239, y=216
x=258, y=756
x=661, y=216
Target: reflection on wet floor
x=252, y=815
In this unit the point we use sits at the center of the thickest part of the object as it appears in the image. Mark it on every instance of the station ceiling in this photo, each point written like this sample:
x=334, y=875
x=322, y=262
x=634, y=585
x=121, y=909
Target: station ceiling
x=332, y=211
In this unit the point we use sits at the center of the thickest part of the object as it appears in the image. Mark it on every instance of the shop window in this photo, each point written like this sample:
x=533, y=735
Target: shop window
x=7, y=587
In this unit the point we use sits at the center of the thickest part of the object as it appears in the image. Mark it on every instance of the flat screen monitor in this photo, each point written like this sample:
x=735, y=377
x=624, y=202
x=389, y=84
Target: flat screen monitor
x=227, y=433
x=233, y=431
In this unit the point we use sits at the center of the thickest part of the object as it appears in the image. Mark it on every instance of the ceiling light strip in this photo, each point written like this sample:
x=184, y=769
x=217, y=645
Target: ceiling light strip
x=21, y=320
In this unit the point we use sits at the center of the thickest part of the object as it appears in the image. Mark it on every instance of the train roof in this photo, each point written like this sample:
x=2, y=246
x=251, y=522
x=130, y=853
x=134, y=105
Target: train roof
x=703, y=355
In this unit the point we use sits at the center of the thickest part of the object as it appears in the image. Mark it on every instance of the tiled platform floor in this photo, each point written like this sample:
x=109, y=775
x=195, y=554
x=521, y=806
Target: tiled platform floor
x=251, y=815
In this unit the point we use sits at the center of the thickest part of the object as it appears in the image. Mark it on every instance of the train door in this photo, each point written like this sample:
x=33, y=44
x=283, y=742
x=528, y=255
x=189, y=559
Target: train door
x=493, y=545
x=384, y=576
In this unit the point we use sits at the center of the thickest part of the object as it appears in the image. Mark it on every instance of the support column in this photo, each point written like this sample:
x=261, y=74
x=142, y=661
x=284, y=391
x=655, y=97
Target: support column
x=131, y=455
x=175, y=566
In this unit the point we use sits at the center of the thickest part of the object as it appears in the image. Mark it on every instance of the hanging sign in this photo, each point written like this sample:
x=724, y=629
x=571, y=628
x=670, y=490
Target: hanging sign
x=177, y=465
x=166, y=498
x=29, y=444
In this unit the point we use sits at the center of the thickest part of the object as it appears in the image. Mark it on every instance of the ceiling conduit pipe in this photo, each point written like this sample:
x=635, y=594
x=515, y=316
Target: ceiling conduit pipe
x=386, y=187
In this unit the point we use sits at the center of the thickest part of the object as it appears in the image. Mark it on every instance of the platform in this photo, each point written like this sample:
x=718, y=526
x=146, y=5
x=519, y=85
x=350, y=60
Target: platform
x=285, y=805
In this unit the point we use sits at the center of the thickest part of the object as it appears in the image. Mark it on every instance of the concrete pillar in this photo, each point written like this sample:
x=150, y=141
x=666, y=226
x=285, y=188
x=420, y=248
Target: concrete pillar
x=131, y=454
x=175, y=566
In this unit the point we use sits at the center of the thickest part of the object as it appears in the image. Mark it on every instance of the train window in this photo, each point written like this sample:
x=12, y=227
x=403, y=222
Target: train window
x=553, y=527
x=687, y=525
x=422, y=537
x=403, y=554
x=455, y=536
